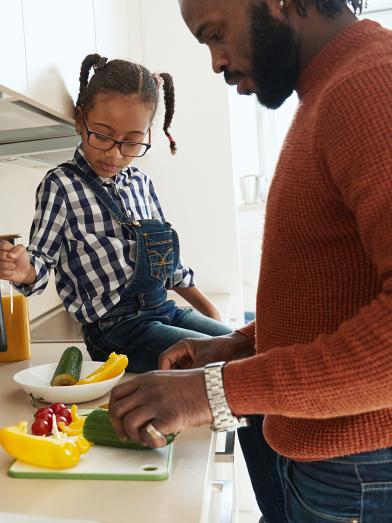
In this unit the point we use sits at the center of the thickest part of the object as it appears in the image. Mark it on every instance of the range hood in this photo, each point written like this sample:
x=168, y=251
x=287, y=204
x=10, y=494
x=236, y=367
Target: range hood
x=32, y=134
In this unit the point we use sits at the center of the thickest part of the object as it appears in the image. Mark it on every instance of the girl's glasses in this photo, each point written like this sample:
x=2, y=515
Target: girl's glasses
x=105, y=143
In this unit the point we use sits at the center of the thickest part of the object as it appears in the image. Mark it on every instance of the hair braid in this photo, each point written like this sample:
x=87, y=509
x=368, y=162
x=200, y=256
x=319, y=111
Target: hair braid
x=169, y=97
x=87, y=64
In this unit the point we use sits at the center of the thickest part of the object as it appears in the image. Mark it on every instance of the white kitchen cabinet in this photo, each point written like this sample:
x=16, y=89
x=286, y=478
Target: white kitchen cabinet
x=228, y=497
x=112, y=28
x=44, y=42
x=12, y=48
x=58, y=36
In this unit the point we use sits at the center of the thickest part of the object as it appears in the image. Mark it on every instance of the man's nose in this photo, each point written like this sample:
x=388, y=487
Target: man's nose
x=219, y=60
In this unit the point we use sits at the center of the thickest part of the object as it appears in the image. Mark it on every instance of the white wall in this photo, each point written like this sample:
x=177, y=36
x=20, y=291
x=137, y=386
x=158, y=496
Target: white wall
x=195, y=186
x=17, y=194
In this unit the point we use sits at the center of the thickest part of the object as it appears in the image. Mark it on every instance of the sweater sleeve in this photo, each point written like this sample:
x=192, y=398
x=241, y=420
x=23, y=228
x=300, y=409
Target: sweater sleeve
x=347, y=372
x=249, y=331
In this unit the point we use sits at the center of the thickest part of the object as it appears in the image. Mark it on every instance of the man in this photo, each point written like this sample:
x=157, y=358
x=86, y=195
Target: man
x=317, y=361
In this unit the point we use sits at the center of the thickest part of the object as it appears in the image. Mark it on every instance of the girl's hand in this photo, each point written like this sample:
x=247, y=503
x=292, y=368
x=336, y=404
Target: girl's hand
x=15, y=264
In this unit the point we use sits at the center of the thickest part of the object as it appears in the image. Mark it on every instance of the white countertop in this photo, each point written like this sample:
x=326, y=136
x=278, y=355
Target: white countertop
x=178, y=499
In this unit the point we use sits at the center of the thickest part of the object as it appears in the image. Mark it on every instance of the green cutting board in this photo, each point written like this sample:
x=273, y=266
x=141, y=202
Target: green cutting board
x=106, y=463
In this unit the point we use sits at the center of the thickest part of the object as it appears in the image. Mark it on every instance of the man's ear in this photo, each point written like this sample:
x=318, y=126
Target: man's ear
x=78, y=119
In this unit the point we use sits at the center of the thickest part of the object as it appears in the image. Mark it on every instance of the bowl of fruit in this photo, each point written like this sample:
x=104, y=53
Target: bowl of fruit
x=72, y=379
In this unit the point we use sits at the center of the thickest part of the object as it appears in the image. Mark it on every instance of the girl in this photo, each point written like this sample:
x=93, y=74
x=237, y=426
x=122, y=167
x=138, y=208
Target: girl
x=99, y=225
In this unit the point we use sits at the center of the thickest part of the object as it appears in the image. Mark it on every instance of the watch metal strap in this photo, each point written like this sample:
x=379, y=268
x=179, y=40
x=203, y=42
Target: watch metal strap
x=223, y=419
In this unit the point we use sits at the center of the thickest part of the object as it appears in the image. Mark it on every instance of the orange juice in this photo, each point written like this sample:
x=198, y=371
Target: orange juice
x=16, y=319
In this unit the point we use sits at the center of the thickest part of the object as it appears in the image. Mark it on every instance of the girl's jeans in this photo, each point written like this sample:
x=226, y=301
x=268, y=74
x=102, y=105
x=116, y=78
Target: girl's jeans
x=351, y=489
x=143, y=334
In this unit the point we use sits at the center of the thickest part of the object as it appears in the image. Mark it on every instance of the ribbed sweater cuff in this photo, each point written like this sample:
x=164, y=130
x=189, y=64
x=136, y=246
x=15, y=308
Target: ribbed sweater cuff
x=249, y=331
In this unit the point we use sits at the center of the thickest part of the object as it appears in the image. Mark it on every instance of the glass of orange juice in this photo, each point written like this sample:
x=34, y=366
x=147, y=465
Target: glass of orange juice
x=16, y=321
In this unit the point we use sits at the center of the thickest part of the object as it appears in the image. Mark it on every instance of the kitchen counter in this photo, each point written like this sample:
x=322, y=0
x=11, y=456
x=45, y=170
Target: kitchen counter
x=181, y=498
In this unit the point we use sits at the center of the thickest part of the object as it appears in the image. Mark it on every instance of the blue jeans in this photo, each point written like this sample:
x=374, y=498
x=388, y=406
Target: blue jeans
x=143, y=334
x=351, y=489
x=261, y=462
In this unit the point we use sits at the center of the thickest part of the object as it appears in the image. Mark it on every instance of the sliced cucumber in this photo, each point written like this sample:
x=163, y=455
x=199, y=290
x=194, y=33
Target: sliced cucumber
x=98, y=429
x=68, y=369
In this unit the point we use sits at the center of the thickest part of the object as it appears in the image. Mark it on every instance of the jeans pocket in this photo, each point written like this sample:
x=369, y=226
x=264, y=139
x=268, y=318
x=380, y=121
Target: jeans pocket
x=107, y=324
x=311, y=498
x=376, y=502
x=160, y=253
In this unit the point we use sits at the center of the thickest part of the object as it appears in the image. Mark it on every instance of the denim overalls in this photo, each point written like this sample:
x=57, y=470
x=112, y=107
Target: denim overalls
x=144, y=323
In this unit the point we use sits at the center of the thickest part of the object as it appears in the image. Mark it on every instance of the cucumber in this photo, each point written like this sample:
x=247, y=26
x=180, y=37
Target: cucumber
x=68, y=369
x=98, y=429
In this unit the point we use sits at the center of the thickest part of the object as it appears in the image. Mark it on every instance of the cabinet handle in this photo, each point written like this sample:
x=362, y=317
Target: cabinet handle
x=225, y=487
x=226, y=456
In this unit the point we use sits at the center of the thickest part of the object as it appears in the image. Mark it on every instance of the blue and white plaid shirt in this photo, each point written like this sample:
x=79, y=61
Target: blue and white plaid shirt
x=74, y=234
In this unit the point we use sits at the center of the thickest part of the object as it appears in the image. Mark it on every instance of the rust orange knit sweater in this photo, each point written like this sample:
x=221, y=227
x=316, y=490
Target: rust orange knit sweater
x=323, y=369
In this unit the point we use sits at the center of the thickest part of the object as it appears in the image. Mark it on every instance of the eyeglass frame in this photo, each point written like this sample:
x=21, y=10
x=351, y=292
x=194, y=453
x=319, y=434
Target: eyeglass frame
x=116, y=142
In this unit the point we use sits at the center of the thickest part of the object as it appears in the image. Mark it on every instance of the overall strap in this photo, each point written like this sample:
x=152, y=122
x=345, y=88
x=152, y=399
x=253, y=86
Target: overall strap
x=104, y=197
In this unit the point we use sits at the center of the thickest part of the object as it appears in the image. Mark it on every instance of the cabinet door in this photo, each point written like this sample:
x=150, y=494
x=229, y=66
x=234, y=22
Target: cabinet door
x=112, y=28
x=58, y=36
x=12, y=45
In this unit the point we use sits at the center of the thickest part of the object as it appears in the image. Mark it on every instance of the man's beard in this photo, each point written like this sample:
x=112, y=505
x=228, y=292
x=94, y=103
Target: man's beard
x=274, y=57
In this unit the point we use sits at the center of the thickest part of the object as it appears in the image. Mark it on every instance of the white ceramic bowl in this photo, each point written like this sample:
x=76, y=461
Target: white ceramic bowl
x=36, y=381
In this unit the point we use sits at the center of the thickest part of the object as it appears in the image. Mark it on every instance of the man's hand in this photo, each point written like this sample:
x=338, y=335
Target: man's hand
x=170, y=401
x=193, y=353
x=15, y=264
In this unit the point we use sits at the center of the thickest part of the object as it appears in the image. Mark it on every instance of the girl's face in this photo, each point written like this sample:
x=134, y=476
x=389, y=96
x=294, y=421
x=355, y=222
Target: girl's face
x=114, y=115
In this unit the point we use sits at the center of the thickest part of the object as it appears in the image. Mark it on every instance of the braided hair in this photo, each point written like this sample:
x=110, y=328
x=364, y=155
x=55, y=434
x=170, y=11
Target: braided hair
x=328, y=7
x=125, y=78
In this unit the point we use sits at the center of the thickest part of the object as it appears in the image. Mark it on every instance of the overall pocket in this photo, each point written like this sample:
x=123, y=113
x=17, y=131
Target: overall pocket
x=160, y=253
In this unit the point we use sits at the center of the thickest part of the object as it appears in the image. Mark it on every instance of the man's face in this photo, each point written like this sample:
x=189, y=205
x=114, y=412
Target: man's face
x=250, y=42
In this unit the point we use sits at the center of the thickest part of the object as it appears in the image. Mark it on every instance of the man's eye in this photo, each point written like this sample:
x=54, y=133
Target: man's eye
x=215, y=36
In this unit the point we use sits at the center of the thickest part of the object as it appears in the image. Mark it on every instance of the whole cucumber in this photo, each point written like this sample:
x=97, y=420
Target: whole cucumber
x=98, y=429
x=68, y=368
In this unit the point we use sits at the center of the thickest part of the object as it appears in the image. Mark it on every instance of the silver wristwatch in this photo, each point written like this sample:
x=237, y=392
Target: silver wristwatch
x=223, y=419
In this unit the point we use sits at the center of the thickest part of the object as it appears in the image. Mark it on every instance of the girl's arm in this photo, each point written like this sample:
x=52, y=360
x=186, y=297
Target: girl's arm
x=46, y=237
x=197, y=299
